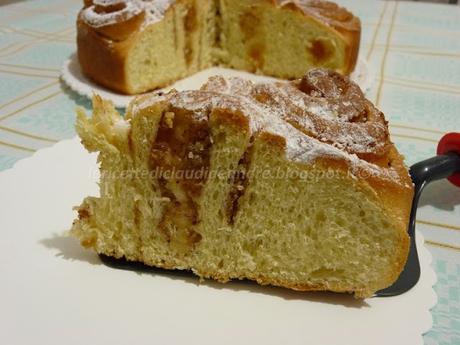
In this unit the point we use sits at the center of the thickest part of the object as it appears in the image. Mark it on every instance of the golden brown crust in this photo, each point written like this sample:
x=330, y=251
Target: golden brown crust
x=101, y=59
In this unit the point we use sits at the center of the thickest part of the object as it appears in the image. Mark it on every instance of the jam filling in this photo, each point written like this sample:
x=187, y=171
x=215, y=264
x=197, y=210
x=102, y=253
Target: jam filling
x=239, y=182
x=180, y=158
x=249, y=24
x=190, y=26
x=321, y=51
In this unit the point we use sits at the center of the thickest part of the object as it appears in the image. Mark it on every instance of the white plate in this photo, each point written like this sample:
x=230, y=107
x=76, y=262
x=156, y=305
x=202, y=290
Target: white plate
x=71, y=74
x=53, y=291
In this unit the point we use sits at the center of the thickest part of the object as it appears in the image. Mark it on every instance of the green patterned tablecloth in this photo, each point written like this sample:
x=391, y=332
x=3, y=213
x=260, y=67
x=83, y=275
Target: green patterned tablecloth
x=414, y=52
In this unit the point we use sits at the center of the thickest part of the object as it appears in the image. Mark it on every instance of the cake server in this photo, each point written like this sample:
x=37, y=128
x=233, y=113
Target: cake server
x=445, y=165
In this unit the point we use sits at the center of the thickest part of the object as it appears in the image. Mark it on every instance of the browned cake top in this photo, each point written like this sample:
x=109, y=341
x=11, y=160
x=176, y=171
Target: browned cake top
x=100, y=14
x=322, y=115
x=325, y=11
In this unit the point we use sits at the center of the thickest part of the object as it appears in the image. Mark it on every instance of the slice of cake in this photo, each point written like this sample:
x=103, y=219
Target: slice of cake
x=133, y=46
x=292, y=184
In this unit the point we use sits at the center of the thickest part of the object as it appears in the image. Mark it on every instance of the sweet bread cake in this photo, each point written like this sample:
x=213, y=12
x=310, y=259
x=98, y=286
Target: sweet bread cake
x=294, y=184
x=133, y=46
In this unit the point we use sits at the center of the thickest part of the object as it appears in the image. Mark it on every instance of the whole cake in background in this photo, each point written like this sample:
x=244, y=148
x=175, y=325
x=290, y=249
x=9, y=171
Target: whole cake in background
x=133, y=46
x=292, y=184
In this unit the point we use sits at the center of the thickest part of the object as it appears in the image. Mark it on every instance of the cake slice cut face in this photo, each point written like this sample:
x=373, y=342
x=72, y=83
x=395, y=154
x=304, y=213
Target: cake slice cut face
x=133, y=46
x=292, y=184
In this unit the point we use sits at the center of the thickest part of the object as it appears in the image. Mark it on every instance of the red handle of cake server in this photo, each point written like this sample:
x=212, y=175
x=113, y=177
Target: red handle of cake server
x=450, y=143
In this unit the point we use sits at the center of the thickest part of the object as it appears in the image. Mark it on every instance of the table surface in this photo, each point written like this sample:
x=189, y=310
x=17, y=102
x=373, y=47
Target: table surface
x=414, y=53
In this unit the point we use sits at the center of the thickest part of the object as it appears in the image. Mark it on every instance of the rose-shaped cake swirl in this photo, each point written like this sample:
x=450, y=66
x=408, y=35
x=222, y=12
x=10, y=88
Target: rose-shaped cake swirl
x=114, y=19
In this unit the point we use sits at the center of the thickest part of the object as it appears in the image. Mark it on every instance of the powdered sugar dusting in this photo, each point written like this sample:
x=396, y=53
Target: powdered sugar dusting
x=117, y=11
x=311, y=127
x=155, y=10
